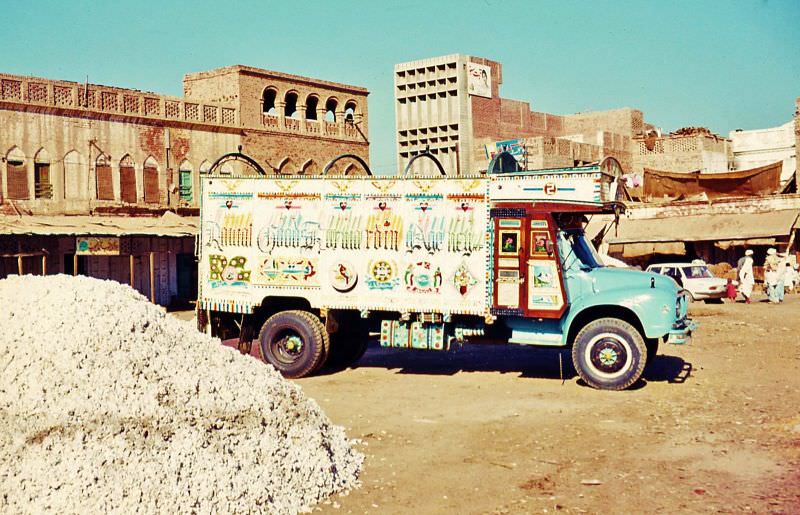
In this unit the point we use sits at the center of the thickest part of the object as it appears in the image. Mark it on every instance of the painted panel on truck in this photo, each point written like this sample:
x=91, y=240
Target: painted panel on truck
x=372, y=243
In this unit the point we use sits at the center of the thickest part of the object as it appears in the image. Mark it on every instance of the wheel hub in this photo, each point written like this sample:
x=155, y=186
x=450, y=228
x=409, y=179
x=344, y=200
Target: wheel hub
x=608, y=355
x=293, y=344
x=287, y=347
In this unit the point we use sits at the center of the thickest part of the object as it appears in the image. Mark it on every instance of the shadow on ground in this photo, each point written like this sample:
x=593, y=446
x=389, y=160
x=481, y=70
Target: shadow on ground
x=530, y=362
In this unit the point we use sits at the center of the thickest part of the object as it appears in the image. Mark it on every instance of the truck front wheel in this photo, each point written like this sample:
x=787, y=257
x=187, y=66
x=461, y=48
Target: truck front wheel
x=609, y=354
x=293, y=342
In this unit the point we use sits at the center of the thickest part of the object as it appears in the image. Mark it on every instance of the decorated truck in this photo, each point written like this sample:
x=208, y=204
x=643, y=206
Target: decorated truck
x=306, y=268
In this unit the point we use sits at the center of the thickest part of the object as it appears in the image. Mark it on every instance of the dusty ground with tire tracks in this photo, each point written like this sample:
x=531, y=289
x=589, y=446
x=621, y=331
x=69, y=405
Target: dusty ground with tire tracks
x=715, y=426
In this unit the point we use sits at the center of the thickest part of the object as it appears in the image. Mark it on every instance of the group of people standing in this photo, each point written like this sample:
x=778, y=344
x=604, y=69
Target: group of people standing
x=779, y=275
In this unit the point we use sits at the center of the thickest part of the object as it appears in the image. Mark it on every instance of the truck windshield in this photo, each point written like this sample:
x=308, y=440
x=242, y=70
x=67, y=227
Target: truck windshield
x=581, y=249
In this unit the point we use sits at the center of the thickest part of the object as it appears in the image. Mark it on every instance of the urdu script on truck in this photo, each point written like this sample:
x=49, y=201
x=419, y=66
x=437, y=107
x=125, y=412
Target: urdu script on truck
x=306, y=267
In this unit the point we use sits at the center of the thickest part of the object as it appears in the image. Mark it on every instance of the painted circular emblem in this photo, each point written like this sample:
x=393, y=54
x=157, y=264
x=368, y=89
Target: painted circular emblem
x=550, y=188
x=343, y=277
x=382, y=275
x=422, y=277
x=382, y=271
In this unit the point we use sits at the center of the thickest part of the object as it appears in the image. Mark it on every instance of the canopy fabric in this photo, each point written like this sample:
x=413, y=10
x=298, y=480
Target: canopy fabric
x=710, y=227
x=752, y=242
x=634, y=250
x=169, y=225
x=756, y=181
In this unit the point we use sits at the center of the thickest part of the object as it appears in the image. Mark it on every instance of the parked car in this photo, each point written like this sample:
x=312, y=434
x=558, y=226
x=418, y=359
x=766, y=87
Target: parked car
x=694, y=277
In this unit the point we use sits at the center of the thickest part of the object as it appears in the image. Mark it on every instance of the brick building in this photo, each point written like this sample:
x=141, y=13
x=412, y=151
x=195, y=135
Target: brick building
x=452, y=105
x=87, y=172
x=685, y=150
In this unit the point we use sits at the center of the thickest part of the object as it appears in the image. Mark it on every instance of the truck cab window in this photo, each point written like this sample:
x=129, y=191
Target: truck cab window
x=580, y=253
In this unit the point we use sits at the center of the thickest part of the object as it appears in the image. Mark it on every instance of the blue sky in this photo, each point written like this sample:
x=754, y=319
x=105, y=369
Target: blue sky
x=720, y=64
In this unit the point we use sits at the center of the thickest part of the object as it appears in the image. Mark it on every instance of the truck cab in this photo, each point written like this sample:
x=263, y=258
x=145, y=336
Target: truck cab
x=552, y=289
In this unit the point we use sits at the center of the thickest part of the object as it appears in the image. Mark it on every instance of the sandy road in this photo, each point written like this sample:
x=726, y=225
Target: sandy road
x=714, y=426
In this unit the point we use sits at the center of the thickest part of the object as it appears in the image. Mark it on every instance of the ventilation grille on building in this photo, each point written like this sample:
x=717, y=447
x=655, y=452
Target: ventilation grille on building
x=37, y=92
x=62, y=96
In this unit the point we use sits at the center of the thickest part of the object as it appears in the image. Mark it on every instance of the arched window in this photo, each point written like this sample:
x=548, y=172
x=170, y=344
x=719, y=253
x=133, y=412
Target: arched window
x=76, y=176
x=17, y=175
x=312, y=101
x=42, y=187
x=268, y=101
x=127, y=180
x=309, y=168
x=290, y=109
x=287, y=167
x=204, y=167
x=104, y=182
x=330, y=110
x=350, y=111
x=185, y=181
x=152, y=186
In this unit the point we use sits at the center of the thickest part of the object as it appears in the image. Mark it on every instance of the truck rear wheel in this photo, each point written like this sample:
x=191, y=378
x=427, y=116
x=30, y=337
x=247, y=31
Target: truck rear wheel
x=294, y=342
x=609, y=354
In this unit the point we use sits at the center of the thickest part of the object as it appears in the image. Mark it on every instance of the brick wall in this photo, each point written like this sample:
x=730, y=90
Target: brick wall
x=627, y=122
x=707, y=153
x=293, y=154
x=214, y=86
x=608, y=132
x=79, y=130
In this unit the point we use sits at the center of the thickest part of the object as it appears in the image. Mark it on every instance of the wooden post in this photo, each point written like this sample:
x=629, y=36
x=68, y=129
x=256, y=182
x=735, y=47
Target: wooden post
x=19, y=264
x=75, y=264
x=152, y=278
x=130, y=261
x=44, y=264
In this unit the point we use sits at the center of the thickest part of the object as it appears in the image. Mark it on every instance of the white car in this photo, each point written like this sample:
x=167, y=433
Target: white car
x=694, y=277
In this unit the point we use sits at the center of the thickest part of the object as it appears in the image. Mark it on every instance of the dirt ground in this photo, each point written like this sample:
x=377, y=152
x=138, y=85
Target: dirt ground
x=713, y=427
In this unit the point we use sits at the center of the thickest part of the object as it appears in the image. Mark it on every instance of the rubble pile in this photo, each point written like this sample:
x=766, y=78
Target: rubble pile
x=108, y=404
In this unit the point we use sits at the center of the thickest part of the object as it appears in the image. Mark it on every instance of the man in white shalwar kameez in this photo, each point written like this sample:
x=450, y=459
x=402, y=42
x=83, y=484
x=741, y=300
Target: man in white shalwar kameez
x=746, y=278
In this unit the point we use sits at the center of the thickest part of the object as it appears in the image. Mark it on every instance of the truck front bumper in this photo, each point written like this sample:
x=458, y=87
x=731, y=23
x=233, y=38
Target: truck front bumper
x=681, y=332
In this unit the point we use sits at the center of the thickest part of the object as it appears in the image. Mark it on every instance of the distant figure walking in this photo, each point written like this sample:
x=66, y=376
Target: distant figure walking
x=771, y=274
x=781, y=272
x=746, y=279
x=792, y=278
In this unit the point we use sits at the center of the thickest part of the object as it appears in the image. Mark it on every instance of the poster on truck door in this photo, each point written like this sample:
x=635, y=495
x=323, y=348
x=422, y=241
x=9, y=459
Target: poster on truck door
x=374, y=243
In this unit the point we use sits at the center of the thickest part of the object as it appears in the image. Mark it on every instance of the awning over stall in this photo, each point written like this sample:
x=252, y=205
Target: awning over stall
x=169, y=225
x=756, y=181
x=733, y=227
x=633, y=250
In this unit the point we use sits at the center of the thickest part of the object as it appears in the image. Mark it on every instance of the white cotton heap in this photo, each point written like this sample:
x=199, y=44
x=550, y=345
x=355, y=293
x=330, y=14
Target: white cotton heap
x=108, y=404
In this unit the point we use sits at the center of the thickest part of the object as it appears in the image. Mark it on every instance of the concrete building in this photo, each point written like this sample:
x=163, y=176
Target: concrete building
x=452, y=105
x=760, y=147
x=94, y=179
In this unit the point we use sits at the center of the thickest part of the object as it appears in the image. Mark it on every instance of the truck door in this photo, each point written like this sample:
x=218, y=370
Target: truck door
x=527, y=271
x=545, y=296
x=509, y=262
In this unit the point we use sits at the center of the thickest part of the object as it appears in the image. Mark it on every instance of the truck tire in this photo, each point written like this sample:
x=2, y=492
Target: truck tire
x=609, y=354
x=293, y=342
